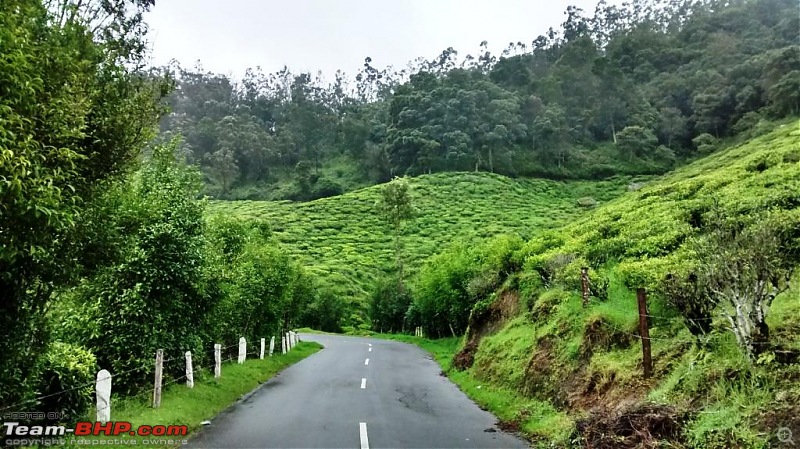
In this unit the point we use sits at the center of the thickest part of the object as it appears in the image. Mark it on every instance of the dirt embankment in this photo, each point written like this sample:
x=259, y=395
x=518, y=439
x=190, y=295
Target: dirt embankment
x=486, y=322
x=609, y=413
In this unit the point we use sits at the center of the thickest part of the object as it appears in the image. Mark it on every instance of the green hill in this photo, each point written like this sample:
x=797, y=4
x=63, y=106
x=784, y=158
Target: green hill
x=346, y=243
x=571, y=374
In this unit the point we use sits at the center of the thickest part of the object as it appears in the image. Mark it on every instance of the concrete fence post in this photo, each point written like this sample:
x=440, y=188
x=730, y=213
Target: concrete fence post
x=242, y=350
x=103, y=393
x=217, y=360
x=189, y=370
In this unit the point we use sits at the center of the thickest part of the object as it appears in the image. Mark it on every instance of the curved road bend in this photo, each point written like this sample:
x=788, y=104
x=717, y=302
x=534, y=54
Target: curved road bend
x=339, y=399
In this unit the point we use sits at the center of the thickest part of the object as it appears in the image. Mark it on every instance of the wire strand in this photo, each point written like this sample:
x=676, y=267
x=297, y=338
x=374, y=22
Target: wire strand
x=112, y=376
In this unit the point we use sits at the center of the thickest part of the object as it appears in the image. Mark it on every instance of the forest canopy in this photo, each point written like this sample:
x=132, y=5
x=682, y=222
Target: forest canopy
x=630, y=89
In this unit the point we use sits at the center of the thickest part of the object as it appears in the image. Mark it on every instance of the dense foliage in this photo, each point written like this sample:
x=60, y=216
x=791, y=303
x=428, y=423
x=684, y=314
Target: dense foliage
x=106, y=251
x=452, y=282
x=173, y=278
x=262, y=292
x=150, y=292
x=630, y=89
x=75, y=109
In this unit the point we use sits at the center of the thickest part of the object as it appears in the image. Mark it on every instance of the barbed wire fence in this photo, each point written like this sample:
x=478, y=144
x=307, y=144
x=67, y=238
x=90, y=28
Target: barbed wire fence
x=645, y=319
x=171, y=366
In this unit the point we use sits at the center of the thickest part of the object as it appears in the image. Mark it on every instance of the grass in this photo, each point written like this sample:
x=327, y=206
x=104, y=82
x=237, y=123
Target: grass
x=183, y=406
x=346, y=244
x=576, y=358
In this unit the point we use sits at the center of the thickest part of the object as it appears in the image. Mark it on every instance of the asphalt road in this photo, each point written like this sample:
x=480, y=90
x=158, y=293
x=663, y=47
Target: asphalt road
x=324, y=401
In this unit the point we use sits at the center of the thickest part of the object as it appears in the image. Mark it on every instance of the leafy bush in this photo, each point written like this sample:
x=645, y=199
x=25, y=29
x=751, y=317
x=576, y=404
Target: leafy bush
x=325, y=187
x=636, y=141
x=75, y=111
x=705, y=143
x=325, y=311
x=66, y=375
x=440, y=295
x=388, y=305
x=152, y=292
x=451, y=283
x=259, y=291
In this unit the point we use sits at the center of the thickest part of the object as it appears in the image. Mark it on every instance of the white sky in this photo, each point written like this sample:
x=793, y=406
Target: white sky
x=228, y=36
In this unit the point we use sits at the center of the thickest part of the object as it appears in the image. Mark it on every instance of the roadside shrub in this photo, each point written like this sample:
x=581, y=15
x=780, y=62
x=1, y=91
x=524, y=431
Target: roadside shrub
x=440, y=294
x=151, y=291
x=66, y=375
x=388, y=303
x=324, y=312
x=257, y=291
x=450, y=283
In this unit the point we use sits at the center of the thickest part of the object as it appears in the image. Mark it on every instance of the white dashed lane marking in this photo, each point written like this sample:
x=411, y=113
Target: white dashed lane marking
x=362, y=430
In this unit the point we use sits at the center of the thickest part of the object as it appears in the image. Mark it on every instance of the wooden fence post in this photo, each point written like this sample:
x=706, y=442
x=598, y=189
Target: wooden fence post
x=103, y=392
x=585, y=285
x=157, y=386
x=283, y=344
x=644, y=333
x=242, y=350
x=271, y=345
x=217, y=360
x=261, y=355
x=189, y=370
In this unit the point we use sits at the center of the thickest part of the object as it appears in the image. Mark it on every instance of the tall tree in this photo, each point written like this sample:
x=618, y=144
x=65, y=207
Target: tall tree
x=75, y=110
x=396, y=207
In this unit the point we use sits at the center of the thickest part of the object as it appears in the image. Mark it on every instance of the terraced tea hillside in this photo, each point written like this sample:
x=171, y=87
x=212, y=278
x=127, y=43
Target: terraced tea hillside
x=346, y=243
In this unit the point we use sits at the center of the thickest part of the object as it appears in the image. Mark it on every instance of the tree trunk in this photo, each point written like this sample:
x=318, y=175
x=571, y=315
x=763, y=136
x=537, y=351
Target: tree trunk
x=613, y=132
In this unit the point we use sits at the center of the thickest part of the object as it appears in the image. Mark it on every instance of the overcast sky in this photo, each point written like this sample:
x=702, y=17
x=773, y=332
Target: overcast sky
x=228, y=36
